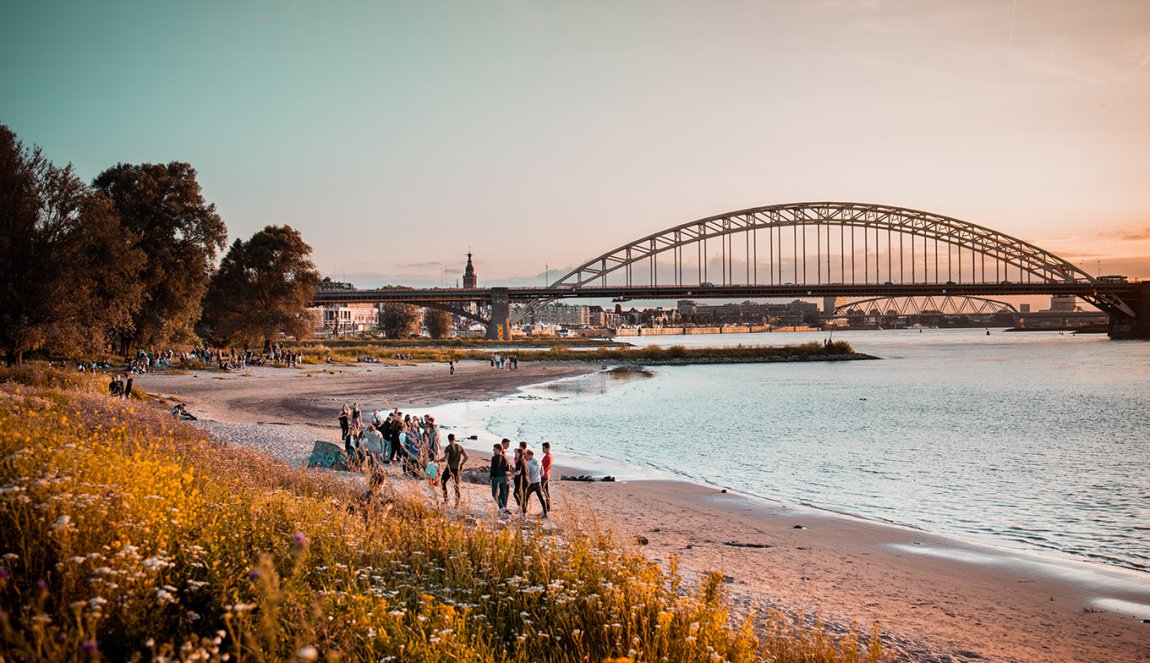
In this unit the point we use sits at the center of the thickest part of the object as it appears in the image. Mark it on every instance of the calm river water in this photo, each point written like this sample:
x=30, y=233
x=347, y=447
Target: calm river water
x=1024, y=440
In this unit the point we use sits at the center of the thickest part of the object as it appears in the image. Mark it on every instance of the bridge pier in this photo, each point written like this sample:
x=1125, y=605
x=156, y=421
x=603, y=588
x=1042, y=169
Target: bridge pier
x=1138, y=325
x=500, y=326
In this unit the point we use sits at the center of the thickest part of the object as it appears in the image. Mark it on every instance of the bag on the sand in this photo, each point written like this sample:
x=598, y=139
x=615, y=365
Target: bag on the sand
x=327, y=455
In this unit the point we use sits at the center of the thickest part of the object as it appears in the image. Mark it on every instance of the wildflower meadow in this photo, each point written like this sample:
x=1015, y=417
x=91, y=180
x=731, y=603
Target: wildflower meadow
x=130, y=536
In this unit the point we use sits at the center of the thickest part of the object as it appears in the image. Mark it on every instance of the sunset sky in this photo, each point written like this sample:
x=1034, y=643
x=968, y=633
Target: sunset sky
x=396, y=135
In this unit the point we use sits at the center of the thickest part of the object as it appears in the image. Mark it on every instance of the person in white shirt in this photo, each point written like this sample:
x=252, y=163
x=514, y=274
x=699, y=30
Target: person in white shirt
x=372, y=443
x=534, y=483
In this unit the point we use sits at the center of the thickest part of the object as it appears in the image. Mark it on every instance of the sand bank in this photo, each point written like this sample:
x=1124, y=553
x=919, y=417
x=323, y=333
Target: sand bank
x=937, y=599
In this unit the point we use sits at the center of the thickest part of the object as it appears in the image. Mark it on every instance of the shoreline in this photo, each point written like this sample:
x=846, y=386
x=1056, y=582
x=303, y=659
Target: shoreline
x=933, y=596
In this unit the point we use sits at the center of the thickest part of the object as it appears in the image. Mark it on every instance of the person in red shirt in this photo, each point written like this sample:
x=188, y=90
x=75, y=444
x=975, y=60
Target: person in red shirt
x=547, y=475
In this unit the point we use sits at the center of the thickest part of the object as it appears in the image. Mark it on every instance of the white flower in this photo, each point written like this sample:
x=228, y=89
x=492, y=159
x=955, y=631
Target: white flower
x=307, y=653
x=62, y=522
x=97, y=601
x=165, y=596
x=155, y=563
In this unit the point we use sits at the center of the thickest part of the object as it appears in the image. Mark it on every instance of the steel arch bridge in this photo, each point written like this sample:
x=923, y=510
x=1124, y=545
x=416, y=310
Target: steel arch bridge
x=907, y=306
x=811, y=249
x=824, y=244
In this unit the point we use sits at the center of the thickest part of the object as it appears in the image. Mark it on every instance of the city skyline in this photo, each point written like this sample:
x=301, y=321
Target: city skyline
x=397, y=139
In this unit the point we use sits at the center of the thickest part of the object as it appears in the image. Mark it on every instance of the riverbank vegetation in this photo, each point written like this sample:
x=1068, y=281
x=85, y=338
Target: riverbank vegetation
x=130, y=536
x=615, y=354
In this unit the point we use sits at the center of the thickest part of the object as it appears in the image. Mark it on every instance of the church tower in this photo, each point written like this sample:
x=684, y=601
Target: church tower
x=470, y=280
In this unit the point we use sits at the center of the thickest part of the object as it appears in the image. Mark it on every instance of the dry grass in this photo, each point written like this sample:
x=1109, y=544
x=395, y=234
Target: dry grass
x=129, y=536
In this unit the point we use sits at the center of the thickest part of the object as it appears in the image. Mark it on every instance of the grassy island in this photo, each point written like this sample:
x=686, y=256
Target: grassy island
x=129, y=536
x=610, y=354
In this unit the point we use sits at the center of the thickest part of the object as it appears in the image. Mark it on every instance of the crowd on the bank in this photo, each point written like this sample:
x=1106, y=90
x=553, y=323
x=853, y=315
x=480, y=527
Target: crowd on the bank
x=414, y=443
x=510, y=362
x=230, y=359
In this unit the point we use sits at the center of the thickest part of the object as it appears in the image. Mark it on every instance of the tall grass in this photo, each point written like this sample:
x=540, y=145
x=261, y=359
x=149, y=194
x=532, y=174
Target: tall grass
x=126, y=535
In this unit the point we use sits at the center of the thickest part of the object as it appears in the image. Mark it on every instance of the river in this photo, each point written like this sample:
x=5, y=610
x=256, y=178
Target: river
x=1032, y=441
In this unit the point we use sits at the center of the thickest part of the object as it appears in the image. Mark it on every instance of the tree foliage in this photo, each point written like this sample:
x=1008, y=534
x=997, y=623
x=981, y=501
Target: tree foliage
x=262, y=288
x=398, y=320
x=67, y=269
x=438, y=323
x=164, y=210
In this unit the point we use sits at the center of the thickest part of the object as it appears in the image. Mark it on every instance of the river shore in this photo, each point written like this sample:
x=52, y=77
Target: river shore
x=936, y=599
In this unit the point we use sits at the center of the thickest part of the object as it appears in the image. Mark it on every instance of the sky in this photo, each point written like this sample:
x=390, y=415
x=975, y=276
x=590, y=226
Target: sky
x=397, y=136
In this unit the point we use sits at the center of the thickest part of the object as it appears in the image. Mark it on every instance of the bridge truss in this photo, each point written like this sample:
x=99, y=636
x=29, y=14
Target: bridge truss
x=911, y=306
x=824, y=244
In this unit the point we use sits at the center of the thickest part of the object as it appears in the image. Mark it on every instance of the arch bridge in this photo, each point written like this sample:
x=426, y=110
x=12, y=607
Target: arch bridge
x=910, y=306
x=812, y=249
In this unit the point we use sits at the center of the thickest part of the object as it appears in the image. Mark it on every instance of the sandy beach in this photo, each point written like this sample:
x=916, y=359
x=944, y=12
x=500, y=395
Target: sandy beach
x=933, y=598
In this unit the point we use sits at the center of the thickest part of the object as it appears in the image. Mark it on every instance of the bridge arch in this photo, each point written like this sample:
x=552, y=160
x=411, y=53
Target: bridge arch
x=1012, y=258
x=824, y=243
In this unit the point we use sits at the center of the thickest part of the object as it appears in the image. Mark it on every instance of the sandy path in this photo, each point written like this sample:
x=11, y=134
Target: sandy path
x=937, y=599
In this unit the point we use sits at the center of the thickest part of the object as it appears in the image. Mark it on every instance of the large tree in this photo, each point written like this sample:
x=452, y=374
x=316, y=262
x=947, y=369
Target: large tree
x=262, y=288
x=163, y=208
x=67, y=268
x=398, y=320
x=438, y=323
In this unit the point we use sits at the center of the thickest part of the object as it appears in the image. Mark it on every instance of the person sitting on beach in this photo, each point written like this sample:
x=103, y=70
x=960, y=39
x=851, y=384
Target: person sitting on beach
x=456, y=457
x=351, y=448
x=180, y=411
x=534, y=481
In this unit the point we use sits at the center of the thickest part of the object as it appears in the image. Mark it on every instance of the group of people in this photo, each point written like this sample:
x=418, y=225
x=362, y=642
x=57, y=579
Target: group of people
x=510, y=362
x=121, y=385
x=414, y=442
x=526, y=475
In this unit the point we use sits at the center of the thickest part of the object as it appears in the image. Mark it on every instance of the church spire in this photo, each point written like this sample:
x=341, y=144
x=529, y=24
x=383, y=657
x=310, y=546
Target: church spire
x=470, y=280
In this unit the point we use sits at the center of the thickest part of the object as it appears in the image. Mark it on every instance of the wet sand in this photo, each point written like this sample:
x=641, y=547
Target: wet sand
x=934, y=599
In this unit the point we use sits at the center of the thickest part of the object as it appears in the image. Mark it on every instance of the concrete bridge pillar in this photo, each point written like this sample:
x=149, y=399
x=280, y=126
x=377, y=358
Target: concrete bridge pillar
x=1138, y=326
x=500, y=326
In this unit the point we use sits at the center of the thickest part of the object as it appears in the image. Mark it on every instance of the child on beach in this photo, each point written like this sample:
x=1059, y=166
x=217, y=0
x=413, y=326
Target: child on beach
x=432, y=474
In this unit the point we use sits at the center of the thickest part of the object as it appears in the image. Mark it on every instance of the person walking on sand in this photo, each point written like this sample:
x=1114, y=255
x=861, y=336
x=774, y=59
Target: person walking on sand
x=500, y=468
x=456, y=457
x=534, y=482
x=546, y=483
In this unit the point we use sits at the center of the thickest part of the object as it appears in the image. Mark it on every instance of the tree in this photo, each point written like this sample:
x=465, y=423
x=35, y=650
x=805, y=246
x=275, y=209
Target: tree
x=262, y=288
x=398, y=320
x=438, y=323
x=165, y=212
x=67, y=268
